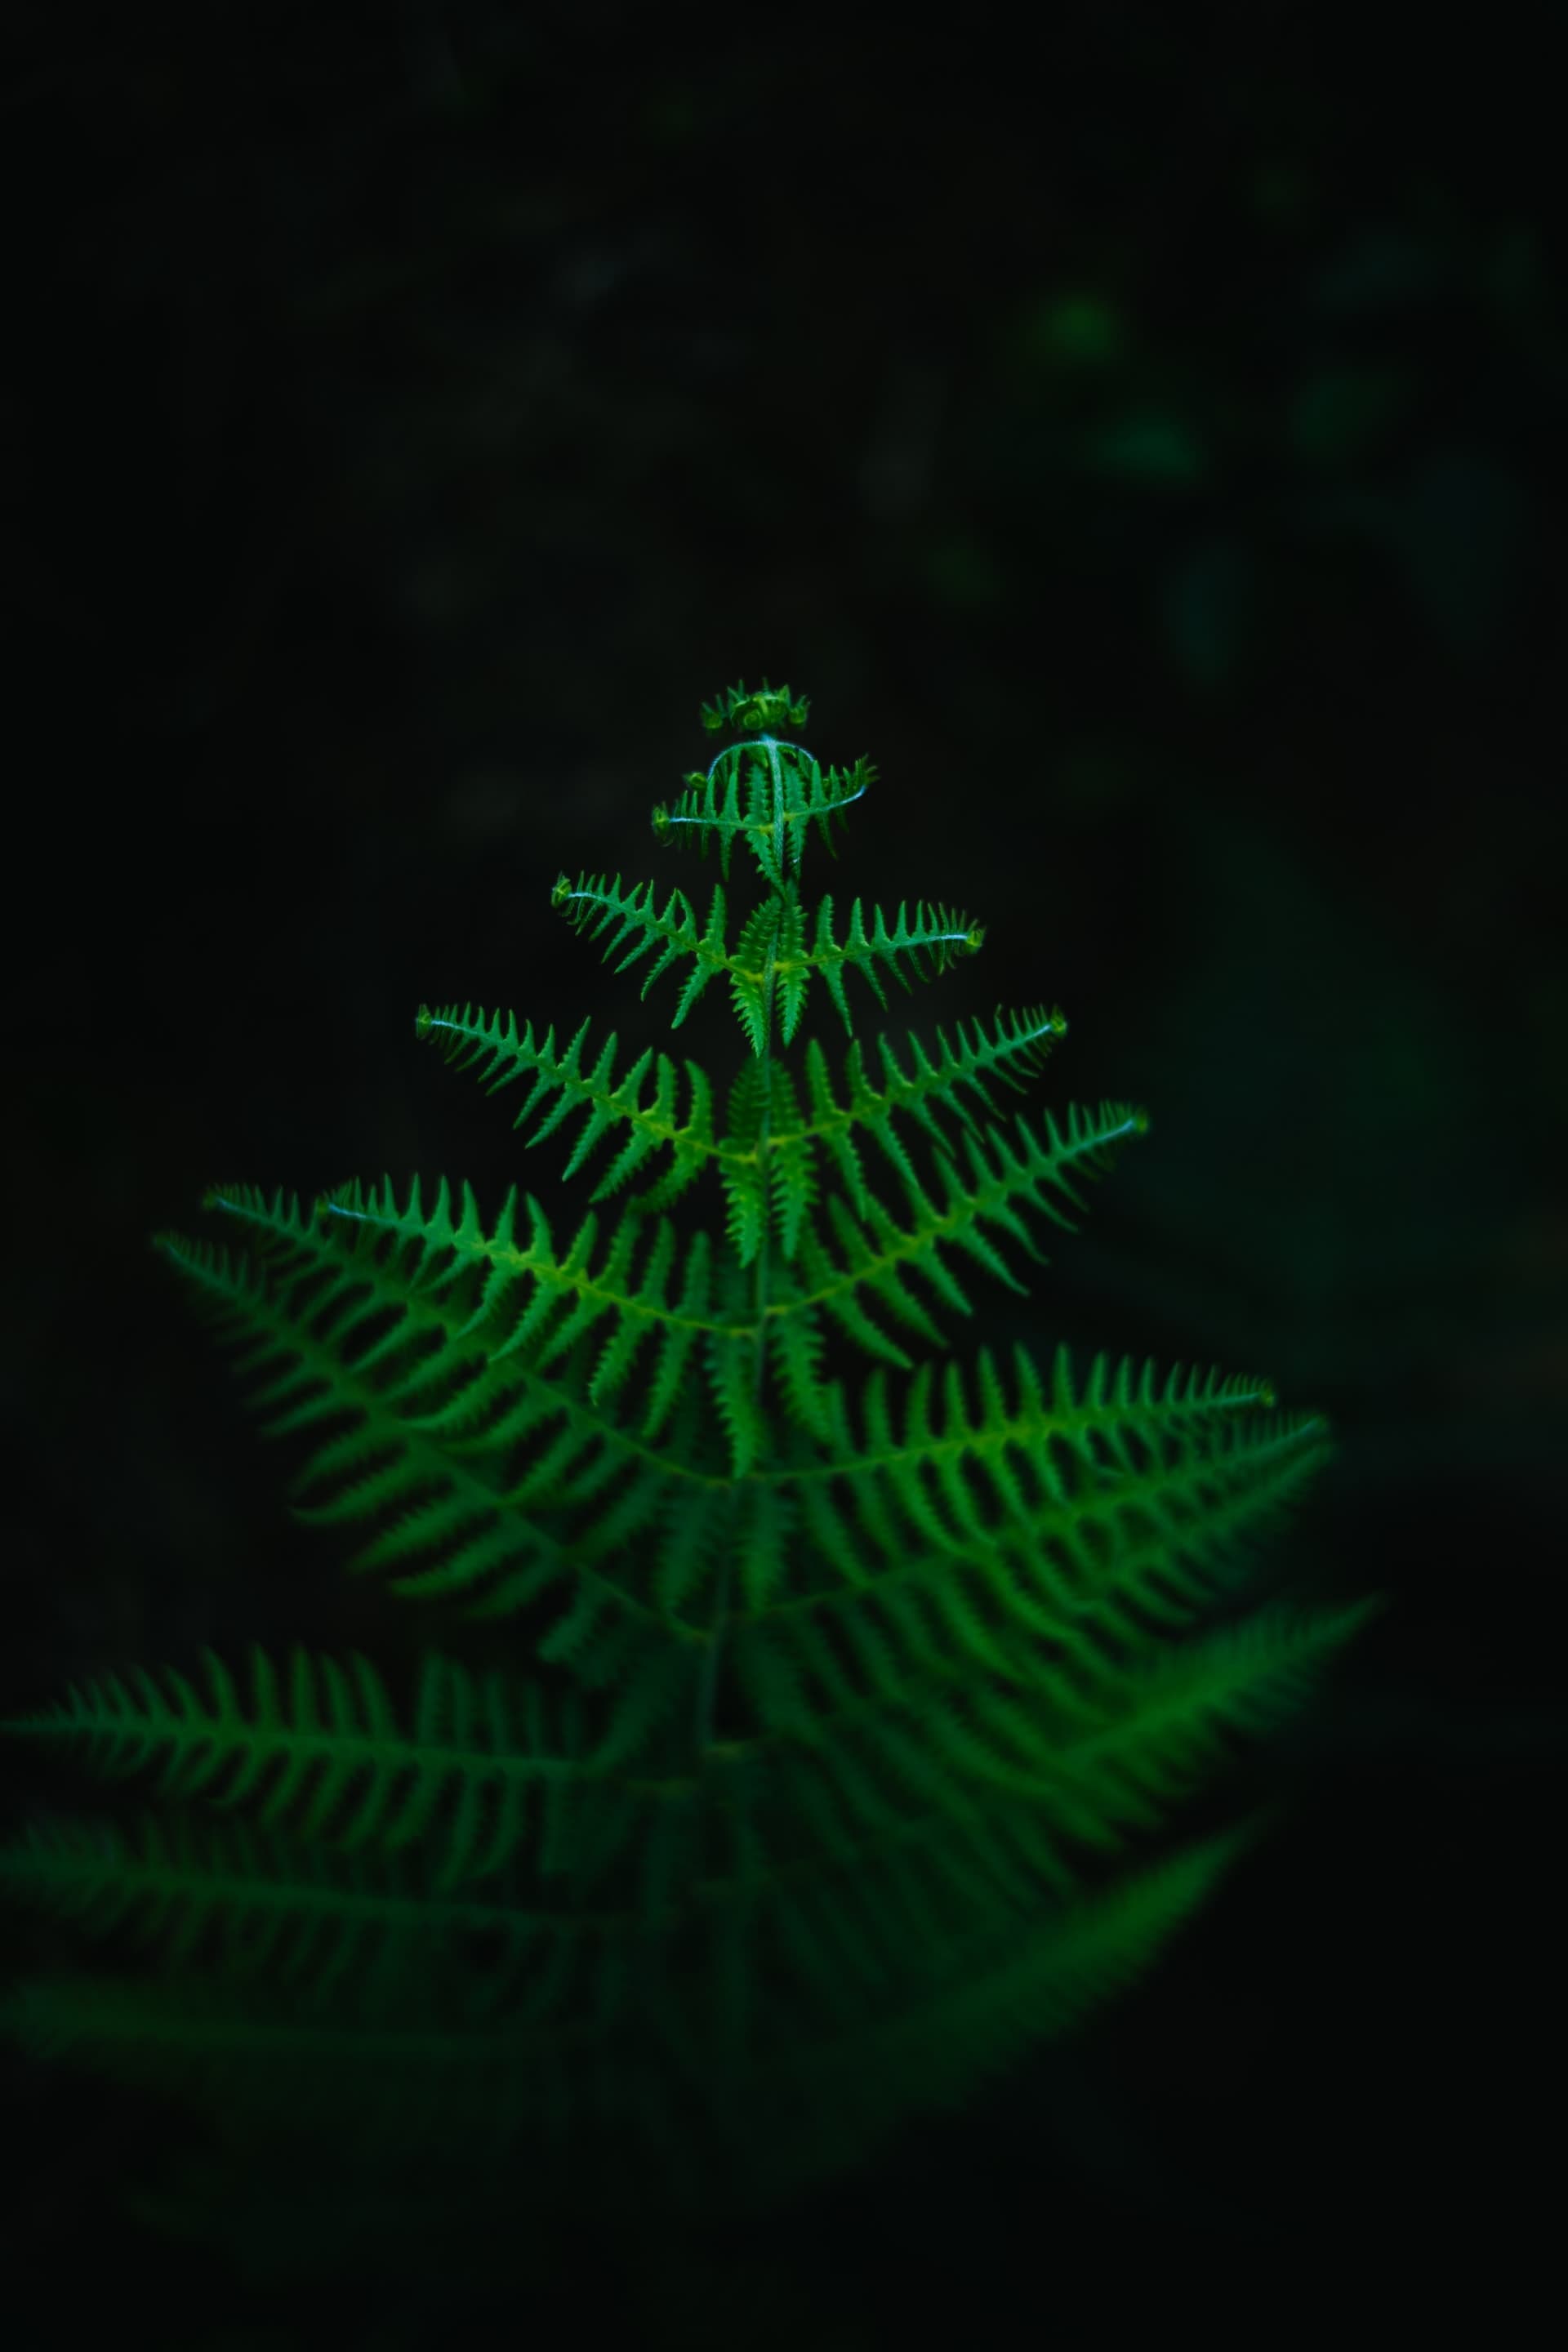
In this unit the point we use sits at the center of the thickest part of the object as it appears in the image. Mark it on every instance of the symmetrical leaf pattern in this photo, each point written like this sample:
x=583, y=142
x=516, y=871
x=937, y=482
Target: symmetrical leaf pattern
x=831, y=1718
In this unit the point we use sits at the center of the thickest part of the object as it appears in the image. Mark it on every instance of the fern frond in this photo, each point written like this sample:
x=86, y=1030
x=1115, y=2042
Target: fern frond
x=754, y=1160
x=487, y=1767
x=768, y=795
x=876, y=1253
x=1040, y=1555
x=931, y=1093
x=772, y=949
x=995, y=2002
x=851, y=1712
x=257, y=1903
x=539, y=1307
x=563, y=1088
x=528, y=1300
x=1167, y=1720
x=593, y=904
x=915, y=947
x=963, y=1554
x=449, y=1350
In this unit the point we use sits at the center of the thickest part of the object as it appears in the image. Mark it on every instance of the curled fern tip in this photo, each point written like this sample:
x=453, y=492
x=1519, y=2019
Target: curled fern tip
x=769, y=707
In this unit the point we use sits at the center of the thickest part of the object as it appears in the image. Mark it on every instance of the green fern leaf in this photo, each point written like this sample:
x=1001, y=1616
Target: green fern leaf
x=824, y=1716
x=563, y=1088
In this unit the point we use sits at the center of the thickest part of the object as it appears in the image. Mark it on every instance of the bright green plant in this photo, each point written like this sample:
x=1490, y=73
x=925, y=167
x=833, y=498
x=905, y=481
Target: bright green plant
x=812, y=1764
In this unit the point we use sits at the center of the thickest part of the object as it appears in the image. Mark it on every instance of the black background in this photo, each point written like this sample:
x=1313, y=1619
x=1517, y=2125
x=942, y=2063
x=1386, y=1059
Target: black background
x=1140, y=437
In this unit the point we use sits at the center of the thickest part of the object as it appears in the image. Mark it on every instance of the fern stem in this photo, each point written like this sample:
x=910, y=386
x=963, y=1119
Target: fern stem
x=708, y=1687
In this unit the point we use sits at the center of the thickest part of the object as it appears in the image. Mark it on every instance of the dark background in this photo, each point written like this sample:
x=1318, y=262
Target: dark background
x=1140, y=437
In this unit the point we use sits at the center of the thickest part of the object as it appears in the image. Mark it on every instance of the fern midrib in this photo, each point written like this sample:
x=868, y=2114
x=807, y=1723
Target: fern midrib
x=708, y=1683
